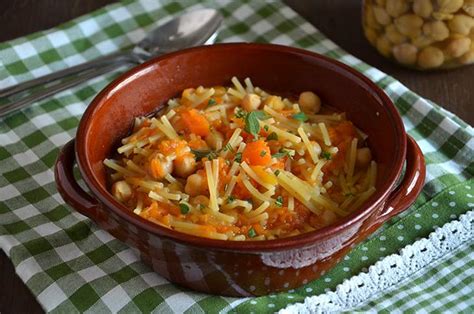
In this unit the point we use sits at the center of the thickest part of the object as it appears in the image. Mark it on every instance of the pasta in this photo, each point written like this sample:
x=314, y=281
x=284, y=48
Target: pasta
x=209, y=168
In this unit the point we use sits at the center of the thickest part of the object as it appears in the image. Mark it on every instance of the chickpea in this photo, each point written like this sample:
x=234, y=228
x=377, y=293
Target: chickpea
x=316, y=148
x=430, y=57
x=382, y=16
x=436, y=30
x=369, y=18
x=459, y=46
x=384, y=46
x=219, y=91
x=309, y=102
x=251, y=102
x=405, y=53
x=162, y=167
x=468, y=7
x=370, y=34
x=184, y=165
x=422, y=41
x=274, y=102
x=396, y=8
x=409, y=25
x=214, y=140
x=363, y=157
x=394, y=35
x=200, y=200
x=441, y=16
x=195, y=185
x=175, y=186
x=328, y=217
x=461, y=24
x=467, y=58
x=423, y=8
x=449, y=6
x=122, y=191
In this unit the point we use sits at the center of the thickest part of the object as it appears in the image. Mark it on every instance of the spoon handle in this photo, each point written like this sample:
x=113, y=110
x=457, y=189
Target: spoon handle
x=51, y=90
x=124, y=56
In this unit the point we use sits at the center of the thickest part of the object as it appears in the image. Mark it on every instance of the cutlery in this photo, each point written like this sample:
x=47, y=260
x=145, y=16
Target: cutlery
x=191, y=29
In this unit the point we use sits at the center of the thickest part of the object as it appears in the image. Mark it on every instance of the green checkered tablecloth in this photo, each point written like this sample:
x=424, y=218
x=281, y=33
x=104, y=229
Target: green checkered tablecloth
x=70, y=265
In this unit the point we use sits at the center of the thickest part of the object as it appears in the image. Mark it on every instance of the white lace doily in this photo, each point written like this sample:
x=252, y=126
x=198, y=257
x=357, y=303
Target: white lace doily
x=391, y=270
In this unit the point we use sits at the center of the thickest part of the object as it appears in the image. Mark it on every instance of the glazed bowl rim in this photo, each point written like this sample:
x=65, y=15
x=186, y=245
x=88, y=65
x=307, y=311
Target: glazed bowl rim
x=107, y=202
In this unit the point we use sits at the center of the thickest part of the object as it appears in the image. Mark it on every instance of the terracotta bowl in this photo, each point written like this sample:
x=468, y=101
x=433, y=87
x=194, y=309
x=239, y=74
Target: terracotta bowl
x=230, y=267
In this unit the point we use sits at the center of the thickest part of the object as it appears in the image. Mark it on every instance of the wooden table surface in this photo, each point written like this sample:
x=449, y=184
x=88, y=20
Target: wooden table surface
x=338, y=19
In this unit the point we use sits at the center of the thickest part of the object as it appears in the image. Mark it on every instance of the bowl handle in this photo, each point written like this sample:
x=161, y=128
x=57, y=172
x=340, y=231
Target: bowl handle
x=67, y=185
x=410, y=187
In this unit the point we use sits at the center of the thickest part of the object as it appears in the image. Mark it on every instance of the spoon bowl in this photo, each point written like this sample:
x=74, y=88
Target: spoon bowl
x=188, y=30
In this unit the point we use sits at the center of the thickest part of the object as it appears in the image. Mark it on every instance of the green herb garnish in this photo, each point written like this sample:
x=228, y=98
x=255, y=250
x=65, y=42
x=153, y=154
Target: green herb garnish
x=300, y=116
x=277, y=172
x=279, y=201
x=261, y=115
x=263, y=153
x=230, y=199
x=211, y=102
x=326, y=155
x=200, y=154
x=272, y=137
x=266, y=128
x=282, y=153
x=184, y=208
x=252, y=233
x=240, y=113
x=252, y=126
x=238, y=157
x=228, y=147
x=201, y=206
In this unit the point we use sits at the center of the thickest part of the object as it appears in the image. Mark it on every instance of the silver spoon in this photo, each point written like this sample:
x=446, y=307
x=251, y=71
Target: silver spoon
x=191, y=29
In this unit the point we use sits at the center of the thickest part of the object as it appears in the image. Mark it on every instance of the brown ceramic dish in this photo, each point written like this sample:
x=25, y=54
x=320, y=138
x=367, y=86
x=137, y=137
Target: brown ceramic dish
x=230, y=267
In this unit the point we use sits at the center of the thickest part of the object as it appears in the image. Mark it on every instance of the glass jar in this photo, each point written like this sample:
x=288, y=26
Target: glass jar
x=421, y=34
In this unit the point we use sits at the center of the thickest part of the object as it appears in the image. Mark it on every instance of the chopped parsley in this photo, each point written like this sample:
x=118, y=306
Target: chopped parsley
x=272, y=137
x=211, y=102
x=230, y=199
x=238, y=157
x=326, y=155
x=228, y=147
x=240, y=113
x=252, y=233
x=300, y=116
x=277, y=172
x=282, y=153
x=200, y=154
x=201, y=206
x=184, y=208
x=279, y=201
x=266, y=128
x=263, y=153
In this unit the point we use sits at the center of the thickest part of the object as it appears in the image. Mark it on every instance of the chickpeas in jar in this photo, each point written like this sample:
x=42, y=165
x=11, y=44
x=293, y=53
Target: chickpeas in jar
x=421, y=34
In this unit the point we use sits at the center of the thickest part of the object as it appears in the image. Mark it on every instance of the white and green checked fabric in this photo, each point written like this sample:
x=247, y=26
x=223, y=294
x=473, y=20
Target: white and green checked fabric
x=70, y=265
